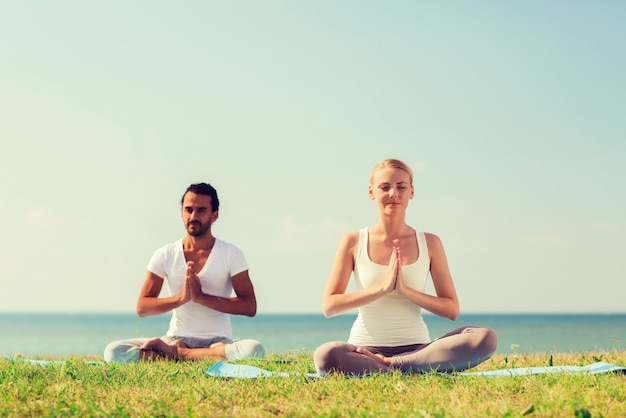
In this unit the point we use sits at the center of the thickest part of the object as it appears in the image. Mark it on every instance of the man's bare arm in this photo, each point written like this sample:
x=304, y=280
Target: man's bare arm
x=243, y=304
x=149, y=303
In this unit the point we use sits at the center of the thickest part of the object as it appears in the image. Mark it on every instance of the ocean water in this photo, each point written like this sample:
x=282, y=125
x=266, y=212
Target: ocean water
x=43, y=334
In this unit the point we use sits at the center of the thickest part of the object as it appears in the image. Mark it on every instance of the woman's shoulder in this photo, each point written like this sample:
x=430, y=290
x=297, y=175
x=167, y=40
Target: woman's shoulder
x=433, y=241
x=351, y=238
x=349, y=243
x=352, y=242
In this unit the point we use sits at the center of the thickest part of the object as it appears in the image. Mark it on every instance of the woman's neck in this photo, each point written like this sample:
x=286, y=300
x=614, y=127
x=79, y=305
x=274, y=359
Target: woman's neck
x=392, y=228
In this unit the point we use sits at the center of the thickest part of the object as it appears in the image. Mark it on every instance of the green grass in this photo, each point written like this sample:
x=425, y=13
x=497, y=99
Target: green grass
x=168, y=389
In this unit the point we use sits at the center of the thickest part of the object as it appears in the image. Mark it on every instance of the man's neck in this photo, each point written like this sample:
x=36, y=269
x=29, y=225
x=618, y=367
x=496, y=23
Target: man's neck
x=205, y=242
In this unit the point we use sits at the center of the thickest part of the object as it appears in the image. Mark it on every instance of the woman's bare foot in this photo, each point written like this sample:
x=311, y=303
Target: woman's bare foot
x=385, y=361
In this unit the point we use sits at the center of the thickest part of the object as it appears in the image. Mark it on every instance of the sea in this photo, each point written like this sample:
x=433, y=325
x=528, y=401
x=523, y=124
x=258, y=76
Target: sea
x=77, y=334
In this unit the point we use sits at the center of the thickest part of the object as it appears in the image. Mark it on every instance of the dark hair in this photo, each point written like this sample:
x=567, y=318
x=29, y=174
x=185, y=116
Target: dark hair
x=204, y=189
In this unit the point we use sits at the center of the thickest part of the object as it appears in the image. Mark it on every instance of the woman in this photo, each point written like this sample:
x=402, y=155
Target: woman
x=391, y=262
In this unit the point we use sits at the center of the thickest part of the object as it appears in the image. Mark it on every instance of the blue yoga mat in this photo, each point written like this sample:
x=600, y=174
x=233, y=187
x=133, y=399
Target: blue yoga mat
x=242, y=371
x=595, y=368
x=45, y=362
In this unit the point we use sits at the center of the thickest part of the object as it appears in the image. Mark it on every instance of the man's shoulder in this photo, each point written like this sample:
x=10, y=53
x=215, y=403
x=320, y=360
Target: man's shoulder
x=169, y=248
x=225, y=246
x=163, y=256
x=229, y=252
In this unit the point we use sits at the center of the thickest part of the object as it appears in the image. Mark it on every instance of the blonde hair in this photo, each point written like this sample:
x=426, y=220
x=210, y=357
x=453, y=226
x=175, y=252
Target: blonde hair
x=393, y=163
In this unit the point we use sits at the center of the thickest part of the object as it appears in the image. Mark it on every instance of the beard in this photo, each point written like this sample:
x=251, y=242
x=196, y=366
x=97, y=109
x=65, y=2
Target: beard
x=200, y=229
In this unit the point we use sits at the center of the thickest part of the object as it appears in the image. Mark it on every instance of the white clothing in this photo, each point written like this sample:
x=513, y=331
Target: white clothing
x=193, y=319
x=127, y=351
x=391, y=320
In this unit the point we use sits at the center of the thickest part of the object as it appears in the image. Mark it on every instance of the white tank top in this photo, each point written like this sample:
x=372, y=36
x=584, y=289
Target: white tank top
x=391, y=320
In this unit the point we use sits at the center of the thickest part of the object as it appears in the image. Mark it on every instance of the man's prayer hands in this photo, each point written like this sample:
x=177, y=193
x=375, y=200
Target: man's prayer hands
x=192, y=289
x=193, y=282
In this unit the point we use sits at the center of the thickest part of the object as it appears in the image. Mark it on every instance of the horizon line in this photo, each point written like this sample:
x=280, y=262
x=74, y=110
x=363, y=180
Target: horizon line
x=81, y=312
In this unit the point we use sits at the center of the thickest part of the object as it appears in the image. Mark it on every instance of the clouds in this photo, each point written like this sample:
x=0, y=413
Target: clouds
x=38, y=217
x=31, y=224
x=606, y=227
x=544, y=241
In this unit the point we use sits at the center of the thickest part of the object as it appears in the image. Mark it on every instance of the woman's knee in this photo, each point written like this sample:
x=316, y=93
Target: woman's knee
x=489, y=341
x=482, y=340
x=326, y=355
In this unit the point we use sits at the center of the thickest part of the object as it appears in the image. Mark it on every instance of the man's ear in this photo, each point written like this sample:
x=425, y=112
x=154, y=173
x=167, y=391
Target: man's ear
x=215, y=215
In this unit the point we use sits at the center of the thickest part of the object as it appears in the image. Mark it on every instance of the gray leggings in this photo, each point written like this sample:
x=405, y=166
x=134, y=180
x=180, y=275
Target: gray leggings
x=127, y=351
x=458, y=350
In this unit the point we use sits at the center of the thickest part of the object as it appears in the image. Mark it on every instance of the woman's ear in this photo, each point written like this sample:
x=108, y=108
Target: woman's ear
x=370, y=193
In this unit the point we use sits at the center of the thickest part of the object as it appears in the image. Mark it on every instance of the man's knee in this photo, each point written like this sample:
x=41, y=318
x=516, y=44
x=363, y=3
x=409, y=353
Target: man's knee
x=121, y=352
x=244, y=349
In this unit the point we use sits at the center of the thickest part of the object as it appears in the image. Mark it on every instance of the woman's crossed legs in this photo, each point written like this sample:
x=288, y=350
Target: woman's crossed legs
x=458, y=350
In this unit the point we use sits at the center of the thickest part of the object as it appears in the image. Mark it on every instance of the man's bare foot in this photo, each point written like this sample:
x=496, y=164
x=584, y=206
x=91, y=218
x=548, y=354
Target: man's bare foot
x=215, y=351
x=385, y=361
x=168, y=351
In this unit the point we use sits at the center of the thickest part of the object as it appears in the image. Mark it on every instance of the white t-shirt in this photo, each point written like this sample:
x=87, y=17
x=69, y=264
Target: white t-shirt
x=193, y=319
x=392, y=320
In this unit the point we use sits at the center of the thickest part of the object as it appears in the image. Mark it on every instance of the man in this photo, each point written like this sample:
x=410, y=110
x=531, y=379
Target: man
x=201, y=272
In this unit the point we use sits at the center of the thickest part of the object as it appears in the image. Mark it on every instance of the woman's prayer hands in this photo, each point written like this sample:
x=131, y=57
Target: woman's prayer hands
x=393, y=278
x=400, y=285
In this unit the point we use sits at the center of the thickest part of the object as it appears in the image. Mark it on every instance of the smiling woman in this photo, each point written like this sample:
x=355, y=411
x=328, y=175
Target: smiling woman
x=391, y=262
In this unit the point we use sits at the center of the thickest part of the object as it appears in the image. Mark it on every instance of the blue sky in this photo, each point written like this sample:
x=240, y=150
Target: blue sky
x=510, y=113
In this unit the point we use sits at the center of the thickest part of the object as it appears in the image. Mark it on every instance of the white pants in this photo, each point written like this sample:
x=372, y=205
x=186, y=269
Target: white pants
x=127, y=351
